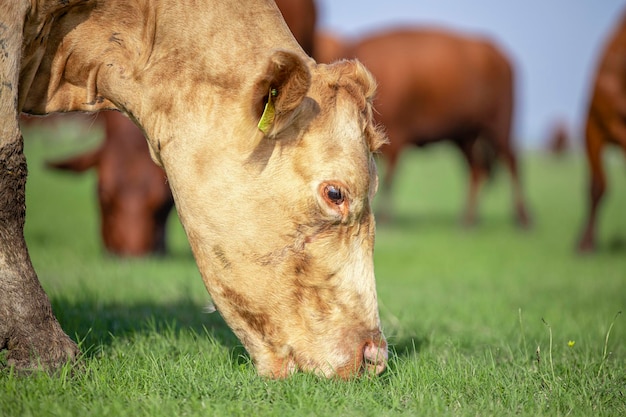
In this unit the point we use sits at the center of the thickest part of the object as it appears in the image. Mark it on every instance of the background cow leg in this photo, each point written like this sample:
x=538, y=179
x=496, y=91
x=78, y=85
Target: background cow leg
x=594, y=144
x=391, y=152
x=28, y=328
x=477, y=174
x=521, y=214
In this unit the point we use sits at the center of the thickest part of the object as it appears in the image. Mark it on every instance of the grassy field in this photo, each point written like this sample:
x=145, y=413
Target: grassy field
x=487, y=321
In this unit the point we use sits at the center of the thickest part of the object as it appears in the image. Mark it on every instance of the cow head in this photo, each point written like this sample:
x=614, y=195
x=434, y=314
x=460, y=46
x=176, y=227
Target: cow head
x=284, y=232
x=268, y=156
x=133, y=194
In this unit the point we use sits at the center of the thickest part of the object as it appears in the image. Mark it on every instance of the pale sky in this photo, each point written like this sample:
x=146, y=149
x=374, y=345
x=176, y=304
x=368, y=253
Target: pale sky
x=554, y=45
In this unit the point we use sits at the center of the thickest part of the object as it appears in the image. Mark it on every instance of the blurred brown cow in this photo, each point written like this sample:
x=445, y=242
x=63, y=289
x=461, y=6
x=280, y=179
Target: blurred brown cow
x=436, y=85
x=135, y=199
x=133, y=194
x=606, y=123
x=329, y=47
x=558, y=139
x=301, y=17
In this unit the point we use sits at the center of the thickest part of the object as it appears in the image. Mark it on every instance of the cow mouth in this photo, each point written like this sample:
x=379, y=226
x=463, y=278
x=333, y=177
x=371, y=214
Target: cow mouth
x=375, y=357
x=371, y=360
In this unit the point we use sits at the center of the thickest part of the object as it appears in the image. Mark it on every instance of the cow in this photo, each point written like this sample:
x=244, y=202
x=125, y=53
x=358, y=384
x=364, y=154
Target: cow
x=606, y=123
x=435, y=84
x=301, y=17
x=329, y=47
x=269, y=156
x=558, y=139
x=134, y=197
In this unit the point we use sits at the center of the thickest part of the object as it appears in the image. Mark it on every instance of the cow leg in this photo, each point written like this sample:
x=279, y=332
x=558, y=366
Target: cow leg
x=28, y=328
x=594, y=145
x=391, y=152
x=477, y=174
x=521, y=214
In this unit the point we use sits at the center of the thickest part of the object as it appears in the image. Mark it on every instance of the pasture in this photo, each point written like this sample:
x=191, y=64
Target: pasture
x=484, y=321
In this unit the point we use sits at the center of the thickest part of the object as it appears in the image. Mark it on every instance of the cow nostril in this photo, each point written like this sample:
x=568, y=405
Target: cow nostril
x=375, y=357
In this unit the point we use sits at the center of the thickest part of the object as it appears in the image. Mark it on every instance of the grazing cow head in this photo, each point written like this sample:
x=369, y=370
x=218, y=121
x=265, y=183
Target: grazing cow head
x=292, y=266
x=268, y=155
x=133, y=194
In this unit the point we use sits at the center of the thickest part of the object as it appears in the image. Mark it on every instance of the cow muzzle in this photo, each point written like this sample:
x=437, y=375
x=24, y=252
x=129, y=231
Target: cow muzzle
x=375, y=357
x=370, y=359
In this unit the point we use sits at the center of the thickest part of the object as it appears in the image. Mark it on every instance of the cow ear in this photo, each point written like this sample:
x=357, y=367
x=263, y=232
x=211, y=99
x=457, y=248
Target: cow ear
x=280, y=91
x=79, y=163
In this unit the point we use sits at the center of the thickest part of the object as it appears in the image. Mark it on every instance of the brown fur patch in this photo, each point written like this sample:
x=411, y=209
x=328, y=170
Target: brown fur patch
x=221, y=256
x=257, y=321
x=302, y=264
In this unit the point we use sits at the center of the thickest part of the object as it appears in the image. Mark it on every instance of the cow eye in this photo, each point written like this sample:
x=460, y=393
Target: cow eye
x=334, y=194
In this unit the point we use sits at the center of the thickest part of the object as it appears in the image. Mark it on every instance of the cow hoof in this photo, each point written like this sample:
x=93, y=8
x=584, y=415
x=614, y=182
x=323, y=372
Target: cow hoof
x=469, y=221
x=523, y=219
x=43, y=351
x=586, y=246
x=524, y=223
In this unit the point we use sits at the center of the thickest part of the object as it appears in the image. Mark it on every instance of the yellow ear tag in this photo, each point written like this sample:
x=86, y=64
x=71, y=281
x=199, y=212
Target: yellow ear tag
x=267, y=118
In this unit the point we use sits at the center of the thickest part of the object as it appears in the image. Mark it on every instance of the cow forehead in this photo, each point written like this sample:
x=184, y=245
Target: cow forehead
x=348, y=89
x=345, y=141
x=338, y=134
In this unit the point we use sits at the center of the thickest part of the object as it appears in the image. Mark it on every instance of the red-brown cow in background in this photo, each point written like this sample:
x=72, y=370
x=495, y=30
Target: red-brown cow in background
x=606, y=123
x=436, y=85
x=301, y=17
x=328, y=47
x=134, y=197
x=558, y=139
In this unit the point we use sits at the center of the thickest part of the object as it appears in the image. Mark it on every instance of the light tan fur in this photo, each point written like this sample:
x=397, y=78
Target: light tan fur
x=288, y=264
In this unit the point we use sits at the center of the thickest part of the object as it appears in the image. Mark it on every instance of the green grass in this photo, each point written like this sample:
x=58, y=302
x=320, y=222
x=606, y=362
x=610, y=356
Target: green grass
x=479, y=320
